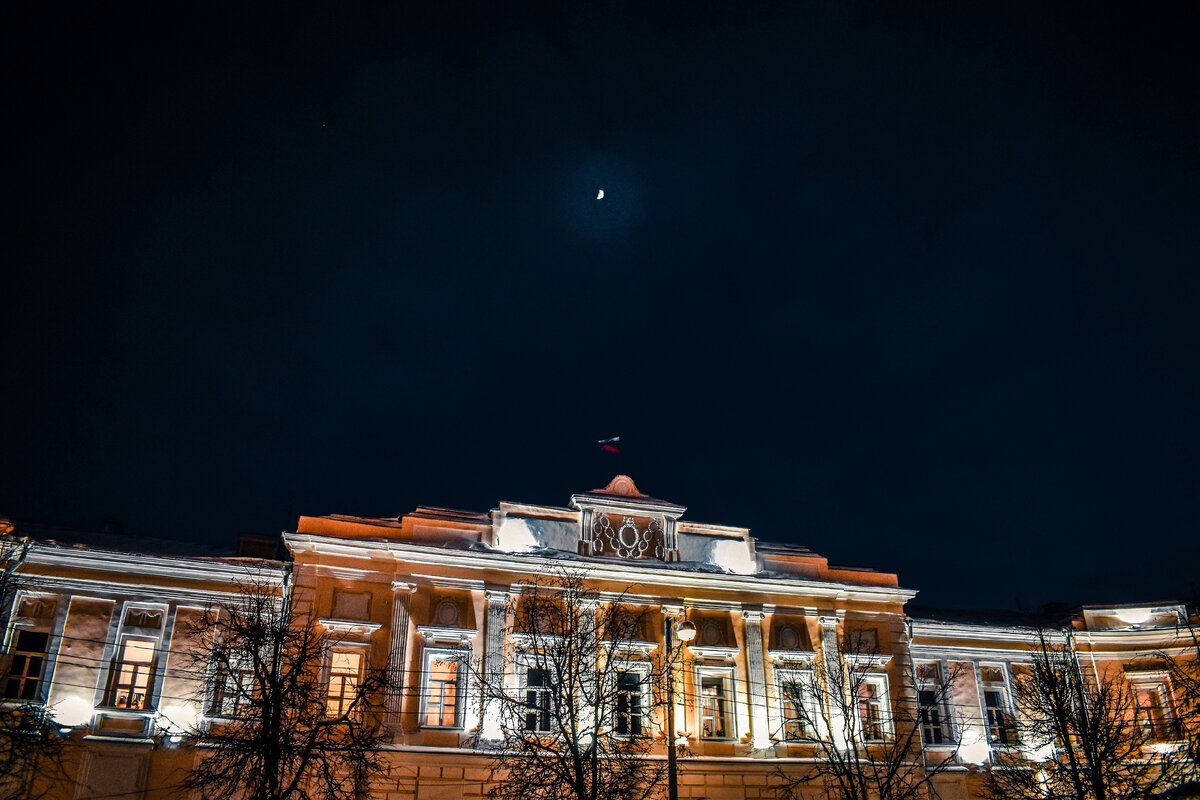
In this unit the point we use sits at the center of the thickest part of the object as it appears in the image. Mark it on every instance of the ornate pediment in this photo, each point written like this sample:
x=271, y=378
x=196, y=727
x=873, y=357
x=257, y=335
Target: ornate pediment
x=621, y=521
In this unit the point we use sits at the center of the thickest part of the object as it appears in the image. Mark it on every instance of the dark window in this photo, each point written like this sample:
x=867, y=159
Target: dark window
x=28, y=658
x=537, y=700
x=1000, y=722
x=629, y=704
x=233, y=689
x=1154, y=714
x=931, y=717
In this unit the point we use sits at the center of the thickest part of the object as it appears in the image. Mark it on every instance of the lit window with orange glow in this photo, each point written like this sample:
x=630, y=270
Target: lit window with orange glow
x=131, y=675
x=441, y=693
x=345, y=673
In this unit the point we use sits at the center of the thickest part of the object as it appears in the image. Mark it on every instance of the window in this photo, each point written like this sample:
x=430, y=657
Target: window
x=345, y=671
x=935, y=722
x=28, y=658
x=1154, y=712
x=797, y=704
x=1002, y=729
x=233, y=687
x=130, y=677
x=537, y=700
x=873, y=708
x=796, y=725
x=715, y=707
x=629, y=703
x=442, y=690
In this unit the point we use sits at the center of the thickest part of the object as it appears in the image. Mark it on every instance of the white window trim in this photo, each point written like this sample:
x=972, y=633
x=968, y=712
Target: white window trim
x=461, y=689
x=945, y=702
x=729, y=673
x=883, y=692
x=119, y=632
x=213, y=674
x=647, y=700
x=1160, y=680
x=1004, y=686
x=802, y=677
x=523, y=667
x=364, y=651
x=52, y=626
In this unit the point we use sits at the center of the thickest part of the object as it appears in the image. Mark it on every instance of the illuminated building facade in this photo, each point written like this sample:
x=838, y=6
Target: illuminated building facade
x=95, y=635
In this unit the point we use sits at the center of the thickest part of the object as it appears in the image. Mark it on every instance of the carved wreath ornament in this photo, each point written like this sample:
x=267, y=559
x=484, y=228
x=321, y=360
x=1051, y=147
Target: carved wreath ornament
x=627, y=540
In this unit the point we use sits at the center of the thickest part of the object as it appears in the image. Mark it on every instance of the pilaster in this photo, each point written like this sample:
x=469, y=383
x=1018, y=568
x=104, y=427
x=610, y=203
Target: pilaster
x=493, y=662
x=759, y=725
x=398, y=656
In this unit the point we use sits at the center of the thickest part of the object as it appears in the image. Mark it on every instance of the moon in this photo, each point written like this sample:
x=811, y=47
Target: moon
x=600, y=195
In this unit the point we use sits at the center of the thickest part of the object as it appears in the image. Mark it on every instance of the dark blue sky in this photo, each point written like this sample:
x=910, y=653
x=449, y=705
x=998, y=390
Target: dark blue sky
x=914, y=285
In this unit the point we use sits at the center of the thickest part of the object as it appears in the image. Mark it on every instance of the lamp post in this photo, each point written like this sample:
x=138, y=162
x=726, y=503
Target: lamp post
x=686, y=632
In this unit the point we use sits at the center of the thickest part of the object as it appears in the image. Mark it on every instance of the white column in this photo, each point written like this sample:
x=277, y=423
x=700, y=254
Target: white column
x=398, y=657
x=759, y=726
x=493, y=663
x=589, y=607
x=835, y=682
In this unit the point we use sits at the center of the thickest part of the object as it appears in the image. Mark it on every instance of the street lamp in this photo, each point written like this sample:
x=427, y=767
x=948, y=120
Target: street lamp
x=686, y=631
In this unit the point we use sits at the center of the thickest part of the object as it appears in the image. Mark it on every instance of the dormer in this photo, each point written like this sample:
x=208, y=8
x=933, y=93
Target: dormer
x=620, y=521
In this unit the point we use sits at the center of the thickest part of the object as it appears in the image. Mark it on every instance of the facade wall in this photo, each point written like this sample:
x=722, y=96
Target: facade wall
x=439, y=580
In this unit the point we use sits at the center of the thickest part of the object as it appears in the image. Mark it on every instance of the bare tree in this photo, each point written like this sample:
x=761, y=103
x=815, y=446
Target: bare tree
x=1087, y=735
x=866, y=746
x=289, y=715
x=30, y=746
x=580, y=720
x=1183, y=668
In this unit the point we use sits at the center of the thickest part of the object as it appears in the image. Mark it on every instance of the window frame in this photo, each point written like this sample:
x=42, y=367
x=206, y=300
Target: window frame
x=458, y=656
x=1003, y=688
x=802, y=677
x=219, y=680
x=123, y=634
x=1158, y=681
x=24, y=679
x=342, y=648
x=728, y=676
x=50, y=624
x=120, y=664
x=645, y=699
x=526, y=666
x=946, y=727
x=882, y=693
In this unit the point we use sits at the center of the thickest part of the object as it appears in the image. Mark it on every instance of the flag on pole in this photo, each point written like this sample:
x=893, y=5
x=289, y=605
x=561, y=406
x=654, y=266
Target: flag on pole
x=610, y=445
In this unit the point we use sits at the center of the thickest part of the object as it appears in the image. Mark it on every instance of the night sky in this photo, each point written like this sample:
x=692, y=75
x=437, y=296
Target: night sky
x=916, y=285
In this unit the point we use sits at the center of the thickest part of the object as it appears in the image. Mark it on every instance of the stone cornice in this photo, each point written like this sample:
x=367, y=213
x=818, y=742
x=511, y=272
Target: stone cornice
x=981, y=633
x=416, y=554
x=110, y=589
x=356, y=627
x=792, y=657
x=446, y=582
x=714, y=652
x=921, y=652
x=1132, y=637
x=174, y=567
x=442, y=634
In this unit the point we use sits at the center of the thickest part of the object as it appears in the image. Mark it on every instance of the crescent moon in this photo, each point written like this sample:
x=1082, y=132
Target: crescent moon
x=600, y=195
